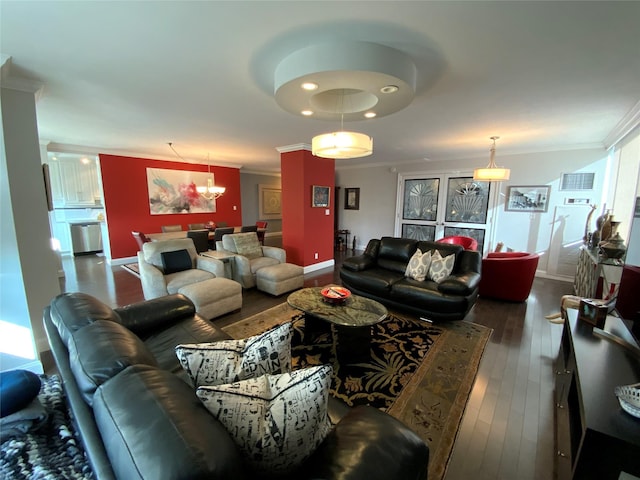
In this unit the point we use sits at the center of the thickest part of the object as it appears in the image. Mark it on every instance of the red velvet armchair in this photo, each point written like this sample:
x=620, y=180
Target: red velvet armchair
x=508, y=275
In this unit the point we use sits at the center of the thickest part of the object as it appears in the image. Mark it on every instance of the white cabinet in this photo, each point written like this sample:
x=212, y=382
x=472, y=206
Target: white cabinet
x=74, y=181
x=57, y=197
x=60, y=231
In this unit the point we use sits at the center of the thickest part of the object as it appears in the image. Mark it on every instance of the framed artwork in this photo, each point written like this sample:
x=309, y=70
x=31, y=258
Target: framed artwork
x=528, y=198
x=174, y=191
x=352, y=199
x=269, y=202
x=320, y=196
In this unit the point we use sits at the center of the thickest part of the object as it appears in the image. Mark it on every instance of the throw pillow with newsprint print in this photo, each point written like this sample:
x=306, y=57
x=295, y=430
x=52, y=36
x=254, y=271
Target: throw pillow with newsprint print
x=229, y=361
x=276, y=420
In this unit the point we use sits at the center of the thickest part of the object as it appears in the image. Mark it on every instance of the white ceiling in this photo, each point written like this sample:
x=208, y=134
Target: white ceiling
x=128, y=77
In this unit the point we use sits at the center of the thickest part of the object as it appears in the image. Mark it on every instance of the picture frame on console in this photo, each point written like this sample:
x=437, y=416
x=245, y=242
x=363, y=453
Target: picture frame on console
x=320, y=196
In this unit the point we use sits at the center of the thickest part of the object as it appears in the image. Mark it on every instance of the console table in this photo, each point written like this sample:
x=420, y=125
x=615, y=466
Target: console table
x=595, y=438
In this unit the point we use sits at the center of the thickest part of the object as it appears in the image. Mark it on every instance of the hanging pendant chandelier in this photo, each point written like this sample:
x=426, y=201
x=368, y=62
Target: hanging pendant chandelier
x=492, y=173
x=342, y=145
x=211, y=191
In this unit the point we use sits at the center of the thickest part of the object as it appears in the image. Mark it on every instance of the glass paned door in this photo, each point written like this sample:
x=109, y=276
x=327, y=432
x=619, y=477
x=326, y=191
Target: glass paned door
x=442, y=205
x=467, y=200
x=420, y=208
x=467, y=203
x=421, y=199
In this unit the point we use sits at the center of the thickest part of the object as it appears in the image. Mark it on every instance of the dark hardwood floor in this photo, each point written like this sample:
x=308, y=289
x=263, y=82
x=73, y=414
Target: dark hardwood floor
x=507, y=429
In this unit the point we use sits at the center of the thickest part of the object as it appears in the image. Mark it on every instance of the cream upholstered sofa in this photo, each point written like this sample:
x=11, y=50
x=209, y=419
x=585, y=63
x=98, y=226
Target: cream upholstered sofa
x=249, y=256
x=156, y=261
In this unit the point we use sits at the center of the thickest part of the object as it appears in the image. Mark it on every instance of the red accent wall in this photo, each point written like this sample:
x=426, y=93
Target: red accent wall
x=306, y=229
x=126, y=200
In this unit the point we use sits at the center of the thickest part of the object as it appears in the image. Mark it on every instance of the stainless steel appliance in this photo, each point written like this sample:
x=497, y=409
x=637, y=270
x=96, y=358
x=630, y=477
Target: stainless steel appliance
x=86, y=237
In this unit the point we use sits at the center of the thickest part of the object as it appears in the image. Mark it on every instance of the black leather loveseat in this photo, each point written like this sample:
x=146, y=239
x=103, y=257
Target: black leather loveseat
x=379, y=273
x=139, y=416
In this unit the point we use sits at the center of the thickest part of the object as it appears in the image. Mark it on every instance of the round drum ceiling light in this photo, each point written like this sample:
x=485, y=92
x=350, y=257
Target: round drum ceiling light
x=342, y=145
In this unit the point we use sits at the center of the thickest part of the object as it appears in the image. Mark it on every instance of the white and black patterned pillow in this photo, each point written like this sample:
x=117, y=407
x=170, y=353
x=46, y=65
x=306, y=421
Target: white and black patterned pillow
x=441, y=267
x=418, y=266
x=276, y=420
x=229, y=361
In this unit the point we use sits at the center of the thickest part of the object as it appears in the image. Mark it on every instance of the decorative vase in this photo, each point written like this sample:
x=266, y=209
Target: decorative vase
x=614, y=248
x=600, y=220
x=614, y=227
x=605, y=227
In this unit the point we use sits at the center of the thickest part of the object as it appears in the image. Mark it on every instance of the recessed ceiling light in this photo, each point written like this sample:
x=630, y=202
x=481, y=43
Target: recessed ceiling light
x=306, y=113
x=370, y=114
x=389, y=89
x=310, y=86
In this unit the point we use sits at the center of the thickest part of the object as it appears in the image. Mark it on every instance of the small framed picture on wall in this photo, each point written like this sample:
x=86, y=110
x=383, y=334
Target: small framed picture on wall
x=320, y=196
x=528, y=198
x=352, y=199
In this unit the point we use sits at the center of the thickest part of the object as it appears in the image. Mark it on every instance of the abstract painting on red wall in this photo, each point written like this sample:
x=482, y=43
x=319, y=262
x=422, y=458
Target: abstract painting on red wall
x=174, y=191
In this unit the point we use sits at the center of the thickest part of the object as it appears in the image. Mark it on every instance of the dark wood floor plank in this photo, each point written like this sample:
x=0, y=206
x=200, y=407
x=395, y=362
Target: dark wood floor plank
x=510, y=454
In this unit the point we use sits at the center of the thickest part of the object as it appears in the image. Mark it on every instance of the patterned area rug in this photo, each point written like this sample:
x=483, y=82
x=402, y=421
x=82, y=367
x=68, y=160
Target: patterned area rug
x=50, y=450
x=420, y=373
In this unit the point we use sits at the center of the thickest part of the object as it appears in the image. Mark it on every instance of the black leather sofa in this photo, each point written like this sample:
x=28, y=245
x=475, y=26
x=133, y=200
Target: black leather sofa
x=379, y=273
x=139, y=418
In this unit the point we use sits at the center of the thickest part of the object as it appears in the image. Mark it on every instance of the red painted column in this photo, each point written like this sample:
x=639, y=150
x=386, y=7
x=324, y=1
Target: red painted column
x=306, y=230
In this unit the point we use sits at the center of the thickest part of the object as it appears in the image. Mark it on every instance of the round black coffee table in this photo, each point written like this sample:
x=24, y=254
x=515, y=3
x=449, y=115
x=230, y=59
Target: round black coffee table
x=352, y=321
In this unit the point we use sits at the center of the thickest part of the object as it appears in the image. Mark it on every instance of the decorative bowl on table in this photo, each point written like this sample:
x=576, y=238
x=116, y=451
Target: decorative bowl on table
x=629, y=398
x=335, y=295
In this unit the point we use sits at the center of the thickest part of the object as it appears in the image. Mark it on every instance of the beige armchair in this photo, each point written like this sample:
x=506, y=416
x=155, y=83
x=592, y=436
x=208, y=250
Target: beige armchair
x=156, y=273
x=249, y=256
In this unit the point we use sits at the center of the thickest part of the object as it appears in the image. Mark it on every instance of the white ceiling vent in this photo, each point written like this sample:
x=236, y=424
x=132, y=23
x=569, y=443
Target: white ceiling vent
x=577, y=181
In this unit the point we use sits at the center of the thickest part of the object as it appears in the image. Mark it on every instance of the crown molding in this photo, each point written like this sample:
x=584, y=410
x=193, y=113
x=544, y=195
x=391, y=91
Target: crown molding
x=269, y=173
x=624, y=127
x=294, y=148
x=21, y=84
x=88, y=150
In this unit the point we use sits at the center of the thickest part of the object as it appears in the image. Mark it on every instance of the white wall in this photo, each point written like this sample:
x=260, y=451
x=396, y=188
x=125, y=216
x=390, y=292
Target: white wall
x=376, y=216
x=627, y=156
x=249, y=184
x=26, y=257
x=540, y=232
x=630, y=150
